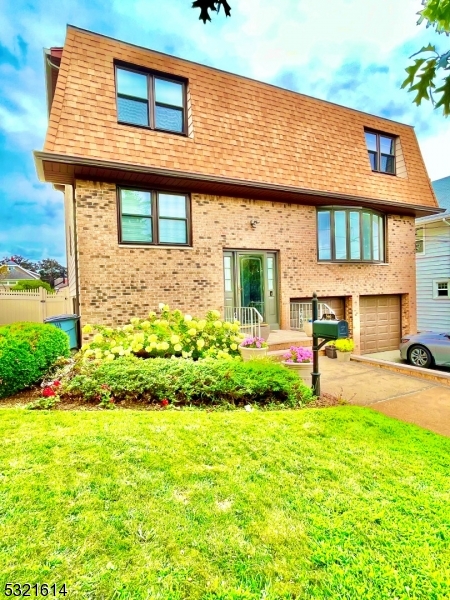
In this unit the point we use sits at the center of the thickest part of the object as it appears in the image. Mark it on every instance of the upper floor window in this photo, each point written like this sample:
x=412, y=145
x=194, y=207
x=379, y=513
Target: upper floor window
x=150, y=100
x=149, y=217
x=381, y=150
x=350, y=234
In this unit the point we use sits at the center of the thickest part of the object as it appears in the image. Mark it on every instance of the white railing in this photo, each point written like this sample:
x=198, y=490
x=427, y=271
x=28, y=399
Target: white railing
x=248, y=316
x=301, y=312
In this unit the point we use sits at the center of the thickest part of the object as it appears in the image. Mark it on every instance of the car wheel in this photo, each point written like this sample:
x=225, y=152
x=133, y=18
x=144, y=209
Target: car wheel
x=419, y=356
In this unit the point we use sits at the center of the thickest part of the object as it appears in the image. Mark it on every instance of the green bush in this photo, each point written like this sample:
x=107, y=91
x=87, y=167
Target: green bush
x=185, y=381
x=345, y=345
x=32, y=284
x=27, y=351
x=163, y=335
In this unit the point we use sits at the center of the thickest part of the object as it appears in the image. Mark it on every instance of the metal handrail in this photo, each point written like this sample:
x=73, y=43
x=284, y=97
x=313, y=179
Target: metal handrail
x=300, y=312
x=249, y=318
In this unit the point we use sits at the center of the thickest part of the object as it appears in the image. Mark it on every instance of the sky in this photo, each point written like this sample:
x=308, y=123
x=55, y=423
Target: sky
x=350, y=52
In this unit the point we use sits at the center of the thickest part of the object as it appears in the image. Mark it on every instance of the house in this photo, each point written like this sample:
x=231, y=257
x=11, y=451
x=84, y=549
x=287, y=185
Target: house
x=204, y=189
x=433, y=264
x=14, y=274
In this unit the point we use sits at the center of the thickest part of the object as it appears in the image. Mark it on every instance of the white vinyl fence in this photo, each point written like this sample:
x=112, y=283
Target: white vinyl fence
x=32, y=305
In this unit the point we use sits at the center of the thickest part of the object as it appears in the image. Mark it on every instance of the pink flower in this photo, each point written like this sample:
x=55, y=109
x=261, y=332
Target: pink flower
x=298, y=354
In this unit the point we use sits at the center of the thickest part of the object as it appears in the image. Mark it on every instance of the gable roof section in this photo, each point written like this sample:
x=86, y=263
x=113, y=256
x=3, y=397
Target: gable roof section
x=242, y=133
x=442, y=192
x=19, y=272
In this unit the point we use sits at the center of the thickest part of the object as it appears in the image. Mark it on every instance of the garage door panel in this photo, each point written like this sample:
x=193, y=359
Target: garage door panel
x=380, y=323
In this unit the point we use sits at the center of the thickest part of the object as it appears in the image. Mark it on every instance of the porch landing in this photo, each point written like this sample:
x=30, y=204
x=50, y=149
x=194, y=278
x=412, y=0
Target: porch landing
x=281, y=340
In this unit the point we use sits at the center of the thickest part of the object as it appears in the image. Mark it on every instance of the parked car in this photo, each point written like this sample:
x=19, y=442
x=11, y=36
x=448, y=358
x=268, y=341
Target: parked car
x=426, y=349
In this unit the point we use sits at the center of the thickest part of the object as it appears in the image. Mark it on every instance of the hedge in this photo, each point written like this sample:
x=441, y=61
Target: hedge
x=27, y=351
x=181, y=381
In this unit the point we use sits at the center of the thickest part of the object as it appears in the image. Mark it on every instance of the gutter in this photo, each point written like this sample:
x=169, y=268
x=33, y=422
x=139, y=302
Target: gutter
x=242, y=184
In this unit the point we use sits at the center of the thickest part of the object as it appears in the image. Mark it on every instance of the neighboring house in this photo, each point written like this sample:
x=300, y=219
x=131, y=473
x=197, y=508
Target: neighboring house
x=15, y=274
x=60, y=283
x=192, y=186
x=433, y=264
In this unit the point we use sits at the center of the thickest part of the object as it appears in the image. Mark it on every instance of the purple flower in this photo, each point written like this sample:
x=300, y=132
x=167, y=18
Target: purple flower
x=254, y=342
x=298, y=354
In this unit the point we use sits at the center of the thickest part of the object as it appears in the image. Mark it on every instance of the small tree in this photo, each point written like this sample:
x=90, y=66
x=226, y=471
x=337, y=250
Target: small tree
x=3, y=274
x=50, y=269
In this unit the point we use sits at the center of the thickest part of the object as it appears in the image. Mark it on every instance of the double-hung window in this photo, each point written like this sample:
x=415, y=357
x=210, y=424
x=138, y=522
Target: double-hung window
x=151, y=100
x=350, y=234
x=156, y=218
x=381, y=149
x=441, y=289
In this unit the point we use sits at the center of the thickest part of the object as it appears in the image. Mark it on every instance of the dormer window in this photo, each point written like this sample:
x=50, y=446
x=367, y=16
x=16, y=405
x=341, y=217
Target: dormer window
x=381, y=149
x=150, y=100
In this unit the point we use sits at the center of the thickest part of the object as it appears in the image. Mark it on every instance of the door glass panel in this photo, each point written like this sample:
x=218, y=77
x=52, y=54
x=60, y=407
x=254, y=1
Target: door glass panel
x=251, y=276
x=227, y=273
x=270, y=273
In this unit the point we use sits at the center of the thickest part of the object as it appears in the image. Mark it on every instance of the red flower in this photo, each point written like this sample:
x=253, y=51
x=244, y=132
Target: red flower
x=47, y=391
x=164, y=402
x=56, y=383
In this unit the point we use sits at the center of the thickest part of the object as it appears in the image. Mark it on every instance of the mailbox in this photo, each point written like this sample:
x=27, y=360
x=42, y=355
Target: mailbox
x=330, y=330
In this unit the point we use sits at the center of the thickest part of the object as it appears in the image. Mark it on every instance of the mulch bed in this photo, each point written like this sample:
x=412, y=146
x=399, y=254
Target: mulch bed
x=21, y=399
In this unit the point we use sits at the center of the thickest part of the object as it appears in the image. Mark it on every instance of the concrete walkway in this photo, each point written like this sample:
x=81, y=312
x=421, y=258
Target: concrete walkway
x=410, y=399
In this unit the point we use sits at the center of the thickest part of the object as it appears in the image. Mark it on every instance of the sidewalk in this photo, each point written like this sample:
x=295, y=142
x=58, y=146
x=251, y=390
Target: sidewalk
x=403, y=397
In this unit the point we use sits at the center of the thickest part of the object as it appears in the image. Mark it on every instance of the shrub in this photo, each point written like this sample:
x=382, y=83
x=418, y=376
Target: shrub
x=32, y=284
x=171, y=333
x=27, y=351
x=345, y=345
x=186, y=381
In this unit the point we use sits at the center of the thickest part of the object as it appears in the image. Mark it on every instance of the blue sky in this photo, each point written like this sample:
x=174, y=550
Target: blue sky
x=351, y=52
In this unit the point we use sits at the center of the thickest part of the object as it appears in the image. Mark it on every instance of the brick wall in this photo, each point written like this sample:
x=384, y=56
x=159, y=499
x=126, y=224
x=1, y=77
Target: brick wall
x=117, y=283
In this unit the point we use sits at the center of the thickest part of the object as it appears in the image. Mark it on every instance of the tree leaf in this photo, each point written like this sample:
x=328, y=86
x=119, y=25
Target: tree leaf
x=429, y=48
x=444, y=60
x=424, y=81
x=444, y=101
x=412, y=70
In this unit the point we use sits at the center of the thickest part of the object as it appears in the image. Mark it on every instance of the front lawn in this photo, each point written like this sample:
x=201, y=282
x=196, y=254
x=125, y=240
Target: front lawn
x=340, y=503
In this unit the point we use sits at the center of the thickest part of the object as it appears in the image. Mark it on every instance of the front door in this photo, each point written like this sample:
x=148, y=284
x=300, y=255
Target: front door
x=250, y=280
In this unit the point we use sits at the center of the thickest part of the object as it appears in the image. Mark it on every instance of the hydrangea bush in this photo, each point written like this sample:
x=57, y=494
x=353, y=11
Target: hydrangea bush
x=163, y=335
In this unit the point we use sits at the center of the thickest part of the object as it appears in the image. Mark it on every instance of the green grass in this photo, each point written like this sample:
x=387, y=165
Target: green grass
x=340, y=503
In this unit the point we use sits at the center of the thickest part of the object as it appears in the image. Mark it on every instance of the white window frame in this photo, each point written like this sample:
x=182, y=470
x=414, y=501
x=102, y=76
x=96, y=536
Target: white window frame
x=435, y=289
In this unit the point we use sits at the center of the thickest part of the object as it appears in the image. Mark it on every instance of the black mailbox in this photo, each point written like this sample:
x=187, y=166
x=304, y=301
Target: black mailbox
x=330, y=330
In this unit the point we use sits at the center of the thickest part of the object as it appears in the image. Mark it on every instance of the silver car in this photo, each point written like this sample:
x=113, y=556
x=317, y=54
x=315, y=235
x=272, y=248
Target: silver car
x=426, y=349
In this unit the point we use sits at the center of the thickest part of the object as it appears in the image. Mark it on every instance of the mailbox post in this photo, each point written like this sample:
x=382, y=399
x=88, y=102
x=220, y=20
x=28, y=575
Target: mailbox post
x=326, y=331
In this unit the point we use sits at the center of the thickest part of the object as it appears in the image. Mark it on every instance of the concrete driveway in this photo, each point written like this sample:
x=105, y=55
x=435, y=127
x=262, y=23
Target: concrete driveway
x=410, y=399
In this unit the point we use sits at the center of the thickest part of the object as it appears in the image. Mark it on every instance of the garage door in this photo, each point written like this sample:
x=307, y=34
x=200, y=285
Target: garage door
x=380, y=323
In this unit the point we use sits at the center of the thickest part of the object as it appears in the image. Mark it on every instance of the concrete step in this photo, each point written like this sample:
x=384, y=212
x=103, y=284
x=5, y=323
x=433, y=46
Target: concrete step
x=283, y=339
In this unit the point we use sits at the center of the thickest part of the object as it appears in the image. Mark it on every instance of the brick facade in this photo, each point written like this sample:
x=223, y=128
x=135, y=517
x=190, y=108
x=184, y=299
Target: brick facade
x=117, y=282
